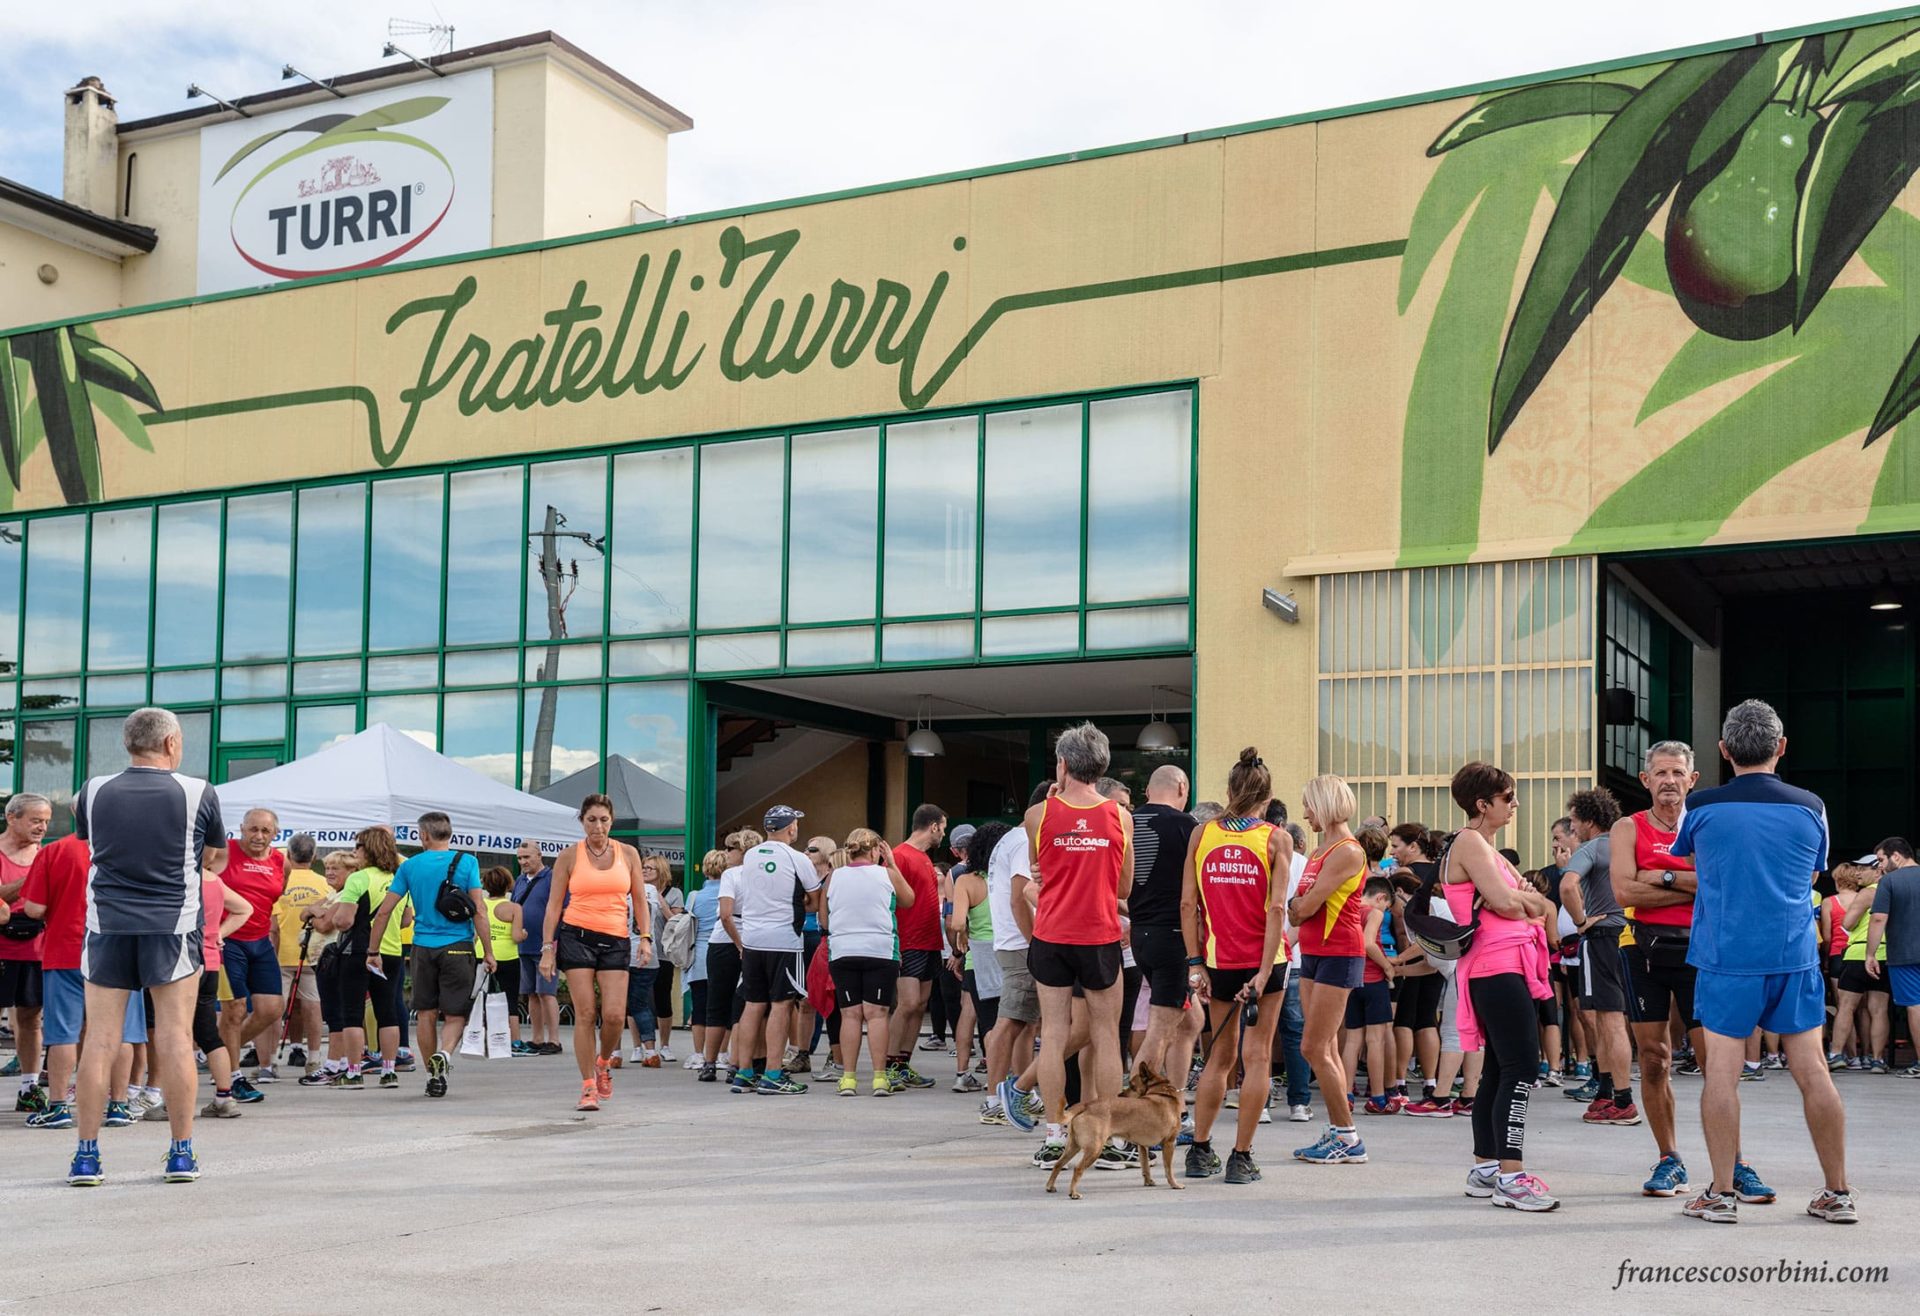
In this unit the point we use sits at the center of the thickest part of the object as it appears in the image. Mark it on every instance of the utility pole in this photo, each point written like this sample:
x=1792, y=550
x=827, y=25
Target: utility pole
x=560, y=583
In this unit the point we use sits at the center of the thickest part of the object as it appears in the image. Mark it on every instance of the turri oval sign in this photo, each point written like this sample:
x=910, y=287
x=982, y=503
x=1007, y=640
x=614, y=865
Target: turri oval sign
x=350, y=184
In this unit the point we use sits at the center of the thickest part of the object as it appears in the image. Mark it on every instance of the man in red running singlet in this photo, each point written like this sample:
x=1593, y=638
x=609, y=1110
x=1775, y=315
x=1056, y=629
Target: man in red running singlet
x=1082, y=843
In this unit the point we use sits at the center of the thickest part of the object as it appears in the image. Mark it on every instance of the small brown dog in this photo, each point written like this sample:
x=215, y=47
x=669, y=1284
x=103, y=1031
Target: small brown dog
x=1147, y=1112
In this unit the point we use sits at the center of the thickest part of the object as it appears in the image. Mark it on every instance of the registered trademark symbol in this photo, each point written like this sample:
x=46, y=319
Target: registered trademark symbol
x=419, y=188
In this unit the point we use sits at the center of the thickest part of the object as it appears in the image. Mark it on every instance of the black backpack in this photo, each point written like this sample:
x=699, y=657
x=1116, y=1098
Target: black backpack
x=451, y=900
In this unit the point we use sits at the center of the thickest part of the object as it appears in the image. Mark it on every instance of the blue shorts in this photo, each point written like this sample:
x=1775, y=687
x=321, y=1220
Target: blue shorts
x=65, y=993
x=535, y=983
x=1905, y=981
x=253, y=969
x=1734, y=1004
x=1343, y=971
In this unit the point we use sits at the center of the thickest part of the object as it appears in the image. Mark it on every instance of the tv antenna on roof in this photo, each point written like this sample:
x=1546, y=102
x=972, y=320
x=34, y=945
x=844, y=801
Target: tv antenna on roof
x=439, y=35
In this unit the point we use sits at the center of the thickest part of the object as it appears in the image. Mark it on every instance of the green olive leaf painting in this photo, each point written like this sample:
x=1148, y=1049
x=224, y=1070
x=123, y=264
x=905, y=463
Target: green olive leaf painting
x=53, y=385
x=1778, y=167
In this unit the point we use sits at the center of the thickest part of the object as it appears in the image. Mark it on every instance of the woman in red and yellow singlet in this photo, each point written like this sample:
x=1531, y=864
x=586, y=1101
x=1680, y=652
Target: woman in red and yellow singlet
x=1331, y=918
x=1233, y=916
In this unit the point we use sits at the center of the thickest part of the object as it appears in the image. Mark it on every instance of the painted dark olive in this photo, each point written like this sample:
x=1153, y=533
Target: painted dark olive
x=1730, y=232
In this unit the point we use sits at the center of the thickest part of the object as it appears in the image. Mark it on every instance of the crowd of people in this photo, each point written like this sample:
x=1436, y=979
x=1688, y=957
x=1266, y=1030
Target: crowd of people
x=1405, y=970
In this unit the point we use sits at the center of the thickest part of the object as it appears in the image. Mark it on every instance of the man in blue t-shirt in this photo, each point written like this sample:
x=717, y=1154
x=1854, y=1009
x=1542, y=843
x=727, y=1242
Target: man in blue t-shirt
x=540, y=991
x=1757, y=844
x=443, y=949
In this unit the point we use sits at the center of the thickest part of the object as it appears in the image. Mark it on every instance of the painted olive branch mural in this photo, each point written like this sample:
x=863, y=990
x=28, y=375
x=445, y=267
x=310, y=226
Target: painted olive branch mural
x=51, y=385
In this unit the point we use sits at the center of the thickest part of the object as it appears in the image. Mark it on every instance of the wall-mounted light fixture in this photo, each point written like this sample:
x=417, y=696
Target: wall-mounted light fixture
x=1283, y=606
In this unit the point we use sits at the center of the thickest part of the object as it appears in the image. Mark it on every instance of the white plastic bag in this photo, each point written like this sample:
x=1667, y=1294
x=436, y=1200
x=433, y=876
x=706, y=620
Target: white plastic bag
x=499, y=1040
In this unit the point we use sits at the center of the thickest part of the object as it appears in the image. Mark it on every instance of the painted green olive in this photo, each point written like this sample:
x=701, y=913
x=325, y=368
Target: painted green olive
x=1730, y=232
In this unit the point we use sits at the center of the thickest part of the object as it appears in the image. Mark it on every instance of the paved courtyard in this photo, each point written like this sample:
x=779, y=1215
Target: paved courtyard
x=678, y=1196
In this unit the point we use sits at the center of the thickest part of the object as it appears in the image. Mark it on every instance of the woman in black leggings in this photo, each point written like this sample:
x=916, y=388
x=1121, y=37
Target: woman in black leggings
x=1501, y=975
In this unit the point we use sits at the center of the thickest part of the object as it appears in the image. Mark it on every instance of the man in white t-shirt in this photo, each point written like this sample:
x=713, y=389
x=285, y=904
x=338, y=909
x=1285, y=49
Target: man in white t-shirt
x=1012, y=1035
x=723, y=970
x=777, y=886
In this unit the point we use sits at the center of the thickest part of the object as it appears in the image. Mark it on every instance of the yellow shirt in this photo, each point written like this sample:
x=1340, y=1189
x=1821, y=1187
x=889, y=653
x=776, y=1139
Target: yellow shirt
x=304, y=888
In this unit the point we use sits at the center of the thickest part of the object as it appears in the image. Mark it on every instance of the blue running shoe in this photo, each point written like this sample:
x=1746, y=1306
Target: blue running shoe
x=1586, y=1094
x=744, y=1080
x=1335, y=1151
x=118, y=1115
x=182, y=1166
x=246, y=1093
x=1747, y=1186
x=1667, y=1179
x=57, y=1116
x=1301, y=1153
x=1014, y=1102
x=85, y=1171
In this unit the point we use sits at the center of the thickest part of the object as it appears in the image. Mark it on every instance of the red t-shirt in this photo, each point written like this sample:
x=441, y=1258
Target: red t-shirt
x=919, y=925
x=1078, y=861
x=1652, y=849
x=35, y=947
x=58, y=880
x=261, y=882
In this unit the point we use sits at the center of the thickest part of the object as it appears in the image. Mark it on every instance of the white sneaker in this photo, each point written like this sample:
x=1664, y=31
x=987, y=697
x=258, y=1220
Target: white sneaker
x=692, y=1062
x=667, y=1057
x=1299, y=1114
x=266, y=1074
x=636, y=1055
x=1266, y=1116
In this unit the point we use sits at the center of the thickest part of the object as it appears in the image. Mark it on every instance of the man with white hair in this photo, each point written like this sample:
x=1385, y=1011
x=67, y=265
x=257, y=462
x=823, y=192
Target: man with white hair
x=22, y=942
x=154, y=831
x=258, y=874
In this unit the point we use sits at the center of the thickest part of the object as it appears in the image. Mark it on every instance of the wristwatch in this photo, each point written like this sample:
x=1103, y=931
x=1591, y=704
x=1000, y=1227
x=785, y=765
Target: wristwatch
x=1666, y=879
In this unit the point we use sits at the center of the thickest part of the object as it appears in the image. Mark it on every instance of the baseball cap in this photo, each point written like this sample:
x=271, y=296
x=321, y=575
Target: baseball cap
x=957, y=838
x=782, y=815
x=1870, y=859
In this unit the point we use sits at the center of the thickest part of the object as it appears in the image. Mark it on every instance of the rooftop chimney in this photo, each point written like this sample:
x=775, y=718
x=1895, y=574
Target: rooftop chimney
x=92, y=148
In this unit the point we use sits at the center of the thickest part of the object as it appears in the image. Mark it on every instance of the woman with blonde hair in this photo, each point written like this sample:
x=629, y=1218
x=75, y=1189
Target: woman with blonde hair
x=704, y=906
x=665, y=902
x=723, y=960
x=1331, y=918
x=863, y=944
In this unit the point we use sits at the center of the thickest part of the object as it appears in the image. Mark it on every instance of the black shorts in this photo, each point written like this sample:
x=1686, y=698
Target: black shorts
x=1854, y=978
x=388, y=994
x=206, y=1008
x=1058, y=964
x=1653, y=989
x=921, y=964
x=767, y=976
x=134, y=961
x=723, y=983
x=1369, y=1004
x=1161, y=954
x=583, y=948
x=20, y=984
x=864, y=980
x=1603, y=976
x=1225, y=984
x=1419, y=1005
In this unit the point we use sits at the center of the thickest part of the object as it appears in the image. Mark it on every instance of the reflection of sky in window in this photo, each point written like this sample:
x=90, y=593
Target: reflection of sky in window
x=404, y=606
x=576, y=491
x=742, y=519
x=187, y=583
x=330, y=569
x=932, y=475
x=648, y=723
x=12, y=547
x=117, y=594
x=484, y=546
x=106, y=747
x=652, y=540
x=576, y=733
x=56, y=552
x=259, y=550
x=1138, y=500
x=832, y=526
x=411, y=715
x=320, y=726
x=1032, y=542
x=47, y=760
x=480, y=732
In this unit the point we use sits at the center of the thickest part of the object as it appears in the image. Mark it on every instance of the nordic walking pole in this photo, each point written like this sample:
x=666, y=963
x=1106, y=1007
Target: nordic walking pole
x=293, y=993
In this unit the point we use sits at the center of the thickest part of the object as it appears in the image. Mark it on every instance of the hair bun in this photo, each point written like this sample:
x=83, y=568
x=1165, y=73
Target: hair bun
x=1250, y=755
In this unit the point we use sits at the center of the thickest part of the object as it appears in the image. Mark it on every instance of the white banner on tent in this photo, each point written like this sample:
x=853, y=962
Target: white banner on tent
x=339, y=838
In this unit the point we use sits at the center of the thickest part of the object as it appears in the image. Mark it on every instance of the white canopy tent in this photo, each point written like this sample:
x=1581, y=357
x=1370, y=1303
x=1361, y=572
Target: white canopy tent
x=385, y=776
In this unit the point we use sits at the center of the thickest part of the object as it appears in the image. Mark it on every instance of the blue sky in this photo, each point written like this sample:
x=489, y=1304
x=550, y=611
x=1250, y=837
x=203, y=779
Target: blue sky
x=804, y=96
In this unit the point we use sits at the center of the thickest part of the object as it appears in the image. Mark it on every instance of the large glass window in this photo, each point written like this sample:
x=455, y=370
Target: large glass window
x=481, y=731
x=318, y=726
x=56, y=581
x=647, y=751
x=742, y=521
x=47, y=762
x=403, y=610
x=186, y=584
x=933, y=471
x=1139, y=497
x=119, y=577
x=560, y=734
x=567, y=531
x=1032, y=539
x=12, y=541
x=484, y=553
x=329, y=578
x=411, y=715
x=652, y=541
x=831, y=525
x=259, y=552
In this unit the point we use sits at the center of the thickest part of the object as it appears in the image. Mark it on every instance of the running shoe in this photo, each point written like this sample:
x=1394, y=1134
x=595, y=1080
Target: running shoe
x=1612, y=1111
x=884, y=1083
x=266, y=1074
x=58, y=1115
x=667, y=1057
x=1336, y=1151
x=1775, y=1060
x=1583, y=1069
x=348, y=1082
x=968, y=1083
x=991, y=1112
x=436, y=1074
x=1540, y=1074
x=708, y=1074
x=906, y=1076
x=1747, y=1186
x=521, y=1049
x=250, y=1058
x=1586, y=1094
x=1752, y=1073
x=652, y=1060
x=1837, y=1062
x=589, y=1095
x=389, y=1079
x=636, y=1056
x=849, y=1086
x=245, y=1092
x=404, y=1061
x=85, y=1171
x=319, y=1078
x=1014, y=1102
x=1184, y=1138
x=1687, y=1067
x=1554, y=1078
x=11, y=1069
x=935, y=1044
x=1523, y=1193
x=1202, y=1162
x=297, y=1056
x=783, y=1086
x=1717, y=1208
x=118, y=1116
x=182, y=1166
x=603, y=1076
x=221, y=1110
x=1463, y=1105
x=1300, y=1153
x=1049, y=1154
x=1113, y=1157
x=156, y=1113
x=830, y=1071
x=1668, y=1178
x=742, y=1081
x=1482, y=1182
x=1299, y=1115
x=802, y=1063
x=1266, y=1116
x=1241, y=1168
x=1834, y=1207
x=1880, y=1066
x=1428, y=1108
x=1911, y=1071
x=1036, y=1104
x=32, y=1101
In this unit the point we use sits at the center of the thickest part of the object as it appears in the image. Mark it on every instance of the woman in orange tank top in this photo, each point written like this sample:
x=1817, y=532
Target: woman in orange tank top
x=598, y=899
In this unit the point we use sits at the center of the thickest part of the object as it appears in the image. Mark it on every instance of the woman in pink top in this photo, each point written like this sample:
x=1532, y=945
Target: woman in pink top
x=1500, y=977
x=216, y=901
